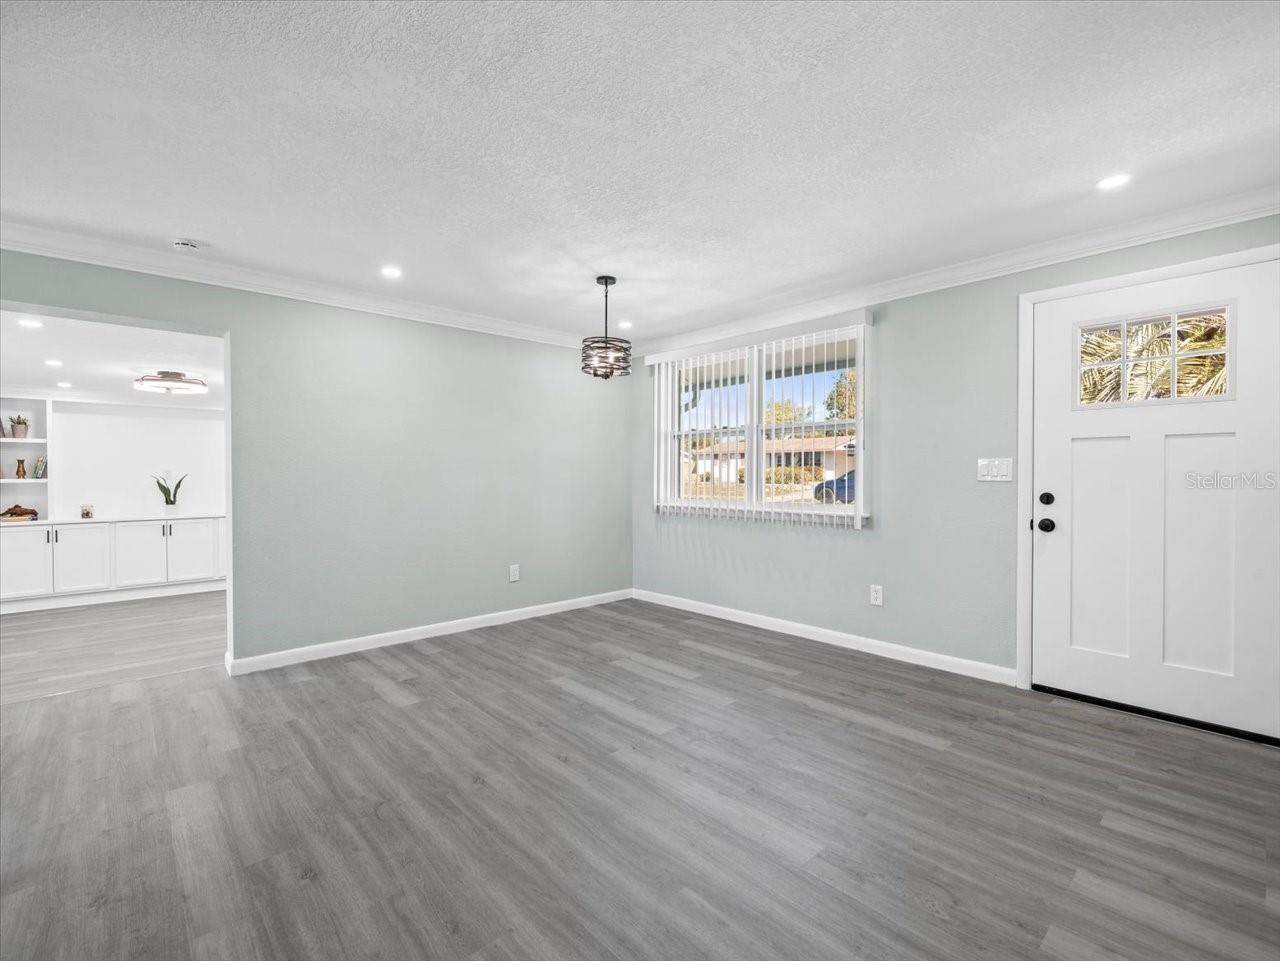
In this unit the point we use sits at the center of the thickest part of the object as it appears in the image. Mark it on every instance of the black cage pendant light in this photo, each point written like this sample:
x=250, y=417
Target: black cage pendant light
x=606, y=356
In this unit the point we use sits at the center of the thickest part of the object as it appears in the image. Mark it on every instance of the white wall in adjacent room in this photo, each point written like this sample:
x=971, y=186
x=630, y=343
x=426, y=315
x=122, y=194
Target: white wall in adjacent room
x=105, y=455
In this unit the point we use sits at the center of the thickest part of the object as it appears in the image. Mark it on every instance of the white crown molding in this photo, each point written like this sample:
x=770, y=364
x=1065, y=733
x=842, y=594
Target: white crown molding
x=1219, y=213
x=63, y=245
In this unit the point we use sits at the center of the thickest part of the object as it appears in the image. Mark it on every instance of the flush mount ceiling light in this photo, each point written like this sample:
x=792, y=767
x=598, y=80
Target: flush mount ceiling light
x=53, y=363
x=64, y=383
x=605, y=356
x=1114, y=182
x=392, y=272
x=170, y=382
x=29, y=322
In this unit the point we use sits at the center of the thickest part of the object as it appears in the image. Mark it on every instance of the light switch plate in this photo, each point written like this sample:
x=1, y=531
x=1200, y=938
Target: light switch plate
x=995, y=468
x=513, y=573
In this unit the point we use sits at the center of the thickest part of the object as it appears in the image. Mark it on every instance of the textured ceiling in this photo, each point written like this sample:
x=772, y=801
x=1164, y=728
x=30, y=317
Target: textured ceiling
x=723, y=159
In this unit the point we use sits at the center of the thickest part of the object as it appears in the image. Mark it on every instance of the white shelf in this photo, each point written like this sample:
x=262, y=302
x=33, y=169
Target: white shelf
x=24, y=480
x=23, y=440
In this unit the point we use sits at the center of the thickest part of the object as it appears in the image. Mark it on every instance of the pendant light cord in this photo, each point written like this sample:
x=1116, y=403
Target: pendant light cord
x=606, y=311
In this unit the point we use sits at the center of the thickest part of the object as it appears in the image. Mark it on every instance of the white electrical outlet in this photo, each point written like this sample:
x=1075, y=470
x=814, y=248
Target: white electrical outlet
x=514, y=572
x=877, y=595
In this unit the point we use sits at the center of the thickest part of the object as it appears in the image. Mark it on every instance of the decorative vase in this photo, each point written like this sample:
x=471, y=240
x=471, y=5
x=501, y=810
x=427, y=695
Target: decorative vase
x=21, y=471
x=170, y=510
x=20, y=430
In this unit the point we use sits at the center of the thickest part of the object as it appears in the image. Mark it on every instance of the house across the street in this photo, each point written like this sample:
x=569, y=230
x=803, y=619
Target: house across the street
x=725, y=460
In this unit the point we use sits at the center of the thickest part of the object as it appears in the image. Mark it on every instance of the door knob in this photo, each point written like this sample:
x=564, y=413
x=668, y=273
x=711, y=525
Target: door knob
x=1046, y=524
x=1046, y=498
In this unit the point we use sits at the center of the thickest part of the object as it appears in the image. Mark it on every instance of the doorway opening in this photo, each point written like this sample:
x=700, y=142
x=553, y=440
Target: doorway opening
x=115, y=540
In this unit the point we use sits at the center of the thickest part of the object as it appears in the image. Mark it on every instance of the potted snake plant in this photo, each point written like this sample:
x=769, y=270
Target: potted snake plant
x=170, y=494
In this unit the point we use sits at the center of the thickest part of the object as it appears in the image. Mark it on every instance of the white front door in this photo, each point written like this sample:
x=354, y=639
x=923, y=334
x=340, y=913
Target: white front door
x=1157, y=437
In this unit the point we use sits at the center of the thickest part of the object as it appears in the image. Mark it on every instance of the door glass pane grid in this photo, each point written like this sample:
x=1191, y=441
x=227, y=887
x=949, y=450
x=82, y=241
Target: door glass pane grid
x=1155, y=358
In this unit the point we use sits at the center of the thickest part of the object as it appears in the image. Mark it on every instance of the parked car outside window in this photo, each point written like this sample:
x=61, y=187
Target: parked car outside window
x=838, y=490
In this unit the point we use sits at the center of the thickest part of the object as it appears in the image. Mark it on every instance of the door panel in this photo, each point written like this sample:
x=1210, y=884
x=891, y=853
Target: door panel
x=1158, y=585
x=1099, y=491
x=1199, y=557
x=193, y=549
x=26, y=562
x=140, y=553
x=81, y=557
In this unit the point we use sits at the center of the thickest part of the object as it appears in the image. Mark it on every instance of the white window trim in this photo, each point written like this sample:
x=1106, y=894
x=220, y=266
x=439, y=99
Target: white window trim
x=667, y=373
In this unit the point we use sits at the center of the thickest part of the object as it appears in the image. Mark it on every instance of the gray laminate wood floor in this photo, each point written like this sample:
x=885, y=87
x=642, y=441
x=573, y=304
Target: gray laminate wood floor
x=625, y=781
x=78, y=648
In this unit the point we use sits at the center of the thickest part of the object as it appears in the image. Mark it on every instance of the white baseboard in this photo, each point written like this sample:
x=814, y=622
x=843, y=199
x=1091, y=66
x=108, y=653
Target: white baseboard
x=50, y=602
x=315, y=652
x=897, y=652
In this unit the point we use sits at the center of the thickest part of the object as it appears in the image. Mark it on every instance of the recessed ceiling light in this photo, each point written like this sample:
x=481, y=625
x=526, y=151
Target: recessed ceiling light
x=64, y=383
x=29, y=322
x=1114, y=182
x=392, y=272
x=53, y=363
x=624, y=324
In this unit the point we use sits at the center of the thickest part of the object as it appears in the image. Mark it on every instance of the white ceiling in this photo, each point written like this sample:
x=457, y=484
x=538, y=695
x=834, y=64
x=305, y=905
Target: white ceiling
x=101, y=361
x=725, y=160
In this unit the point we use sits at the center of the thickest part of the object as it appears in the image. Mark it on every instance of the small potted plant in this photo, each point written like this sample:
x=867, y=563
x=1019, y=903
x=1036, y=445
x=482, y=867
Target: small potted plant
x=18, y=426
x=170, y=494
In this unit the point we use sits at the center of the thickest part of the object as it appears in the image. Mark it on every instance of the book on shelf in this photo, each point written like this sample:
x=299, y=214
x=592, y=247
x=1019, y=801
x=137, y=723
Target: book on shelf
x=38, y=471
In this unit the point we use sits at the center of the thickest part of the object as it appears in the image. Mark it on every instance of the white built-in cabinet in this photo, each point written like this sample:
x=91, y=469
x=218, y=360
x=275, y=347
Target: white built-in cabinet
x=193, y=549
x=52, y=559
x=142, y=552
x=26, y=562
x=81, y=557
x=162, y=552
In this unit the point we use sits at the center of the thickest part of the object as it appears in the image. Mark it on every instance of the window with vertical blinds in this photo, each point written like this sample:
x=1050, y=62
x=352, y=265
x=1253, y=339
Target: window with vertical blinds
x=772, y=431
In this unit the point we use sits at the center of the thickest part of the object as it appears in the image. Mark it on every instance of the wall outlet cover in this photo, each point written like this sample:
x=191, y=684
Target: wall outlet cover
x=513, y=572
x=877, y=595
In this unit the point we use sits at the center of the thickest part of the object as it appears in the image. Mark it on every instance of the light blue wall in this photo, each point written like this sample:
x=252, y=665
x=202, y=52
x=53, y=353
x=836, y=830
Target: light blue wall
x=386, y=472
x=943, y=545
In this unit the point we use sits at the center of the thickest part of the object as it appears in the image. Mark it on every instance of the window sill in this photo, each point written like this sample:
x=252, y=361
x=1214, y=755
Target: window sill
x=816, y=517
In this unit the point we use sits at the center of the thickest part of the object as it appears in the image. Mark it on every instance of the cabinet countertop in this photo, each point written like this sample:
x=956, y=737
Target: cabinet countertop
x=5, y=525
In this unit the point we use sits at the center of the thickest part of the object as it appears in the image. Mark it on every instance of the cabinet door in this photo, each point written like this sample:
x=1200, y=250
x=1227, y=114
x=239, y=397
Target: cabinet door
x=140, y=553
x=81, y=557
x=26, y=562
x=193, y=549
